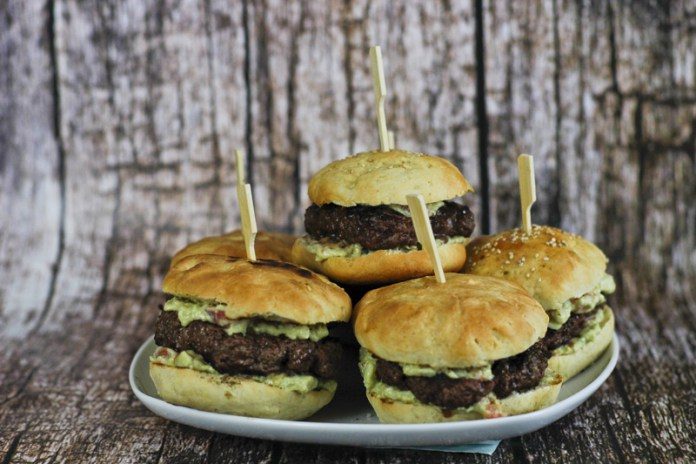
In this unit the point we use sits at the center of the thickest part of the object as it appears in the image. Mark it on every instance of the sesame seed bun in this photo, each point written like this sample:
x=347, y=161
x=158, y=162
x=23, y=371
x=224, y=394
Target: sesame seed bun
x=381, y=266
x=234, y=394
x=467, y=321
x=268, y=245
x=551, y=264
x=262, y=288
x=381, y=178
x=396, y=412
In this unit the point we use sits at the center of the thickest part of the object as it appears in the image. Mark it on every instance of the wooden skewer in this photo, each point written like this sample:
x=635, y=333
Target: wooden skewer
x=246, y=208
x=525, y=167
x=390, y=136
x=380, y=94
x=424, y=232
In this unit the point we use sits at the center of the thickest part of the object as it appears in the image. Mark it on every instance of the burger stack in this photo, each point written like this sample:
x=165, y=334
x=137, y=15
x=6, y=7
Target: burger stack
x=256, y=337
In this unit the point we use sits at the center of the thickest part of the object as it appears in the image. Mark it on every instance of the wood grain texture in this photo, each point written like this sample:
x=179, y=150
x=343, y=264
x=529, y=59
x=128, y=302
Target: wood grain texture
x=118, y=121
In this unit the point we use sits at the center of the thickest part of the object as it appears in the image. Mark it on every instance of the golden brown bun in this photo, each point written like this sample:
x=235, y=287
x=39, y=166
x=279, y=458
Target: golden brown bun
x=262, y=288
x=570, y=364
x=467, y=321
x=234, y=395
x=383, y=178
x=395, y=412
x=268, y=245
x=555, y=265
x=380, y=267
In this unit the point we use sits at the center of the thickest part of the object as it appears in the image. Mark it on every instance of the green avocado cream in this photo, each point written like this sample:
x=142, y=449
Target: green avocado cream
x=588, y=301
x=192, y=310
x=588, y=334
x=323, y=251
x=192, y=360
x=432, y=208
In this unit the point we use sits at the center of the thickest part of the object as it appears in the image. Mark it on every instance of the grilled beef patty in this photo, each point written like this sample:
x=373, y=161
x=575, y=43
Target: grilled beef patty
x=439, y=390
x=380, y=227
x=568, y=331
x=521, y=372
x=250, y=354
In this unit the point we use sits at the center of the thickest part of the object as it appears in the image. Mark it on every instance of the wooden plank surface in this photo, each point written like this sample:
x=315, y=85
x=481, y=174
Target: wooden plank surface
x=118, y=121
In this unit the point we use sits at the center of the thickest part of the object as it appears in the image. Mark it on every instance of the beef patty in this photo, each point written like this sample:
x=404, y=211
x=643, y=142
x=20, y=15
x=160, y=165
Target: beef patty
x=568, y=331
x=521, y=372
x=380, y=227
x=439, y=390
x=518, y=373
x=250, y=354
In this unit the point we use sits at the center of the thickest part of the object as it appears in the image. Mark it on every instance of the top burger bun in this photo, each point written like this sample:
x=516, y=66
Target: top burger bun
x=379, y=178
x=268, y=245
x=467, y=321
x=262, y=288
x=551, y=264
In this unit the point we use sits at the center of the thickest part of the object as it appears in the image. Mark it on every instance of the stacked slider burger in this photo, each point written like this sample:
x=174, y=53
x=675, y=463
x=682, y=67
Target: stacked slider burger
x=468, y=348
x=567, y=275
x=247, y=337
x=359, y=230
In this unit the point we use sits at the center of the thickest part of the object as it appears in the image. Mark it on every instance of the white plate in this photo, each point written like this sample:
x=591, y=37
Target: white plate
x=349, y=420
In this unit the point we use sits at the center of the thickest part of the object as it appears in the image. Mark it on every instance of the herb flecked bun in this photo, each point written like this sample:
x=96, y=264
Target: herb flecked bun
x=381, y=178
x=467, y=321
x=261, y=288
x=551, y=264
x=268, y=245
x=234, y=394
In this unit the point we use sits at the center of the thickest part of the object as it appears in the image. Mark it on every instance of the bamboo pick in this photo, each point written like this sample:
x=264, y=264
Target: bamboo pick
x=525, y=167
x=392, y=142
x=424, y=232
x=246, y=208
x=380, y=87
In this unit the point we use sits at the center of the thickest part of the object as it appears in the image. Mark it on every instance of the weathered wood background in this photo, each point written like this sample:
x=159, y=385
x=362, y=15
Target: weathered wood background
x=117, y=125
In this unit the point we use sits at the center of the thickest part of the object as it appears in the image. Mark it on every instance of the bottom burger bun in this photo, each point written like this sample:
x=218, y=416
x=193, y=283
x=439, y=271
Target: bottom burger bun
x=573, y=362
x=382, y=266
x=396, y=412
x=234, y=395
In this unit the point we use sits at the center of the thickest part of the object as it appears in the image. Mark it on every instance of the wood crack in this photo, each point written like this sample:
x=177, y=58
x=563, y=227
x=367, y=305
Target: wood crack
x=248, y=116
x=55, y=85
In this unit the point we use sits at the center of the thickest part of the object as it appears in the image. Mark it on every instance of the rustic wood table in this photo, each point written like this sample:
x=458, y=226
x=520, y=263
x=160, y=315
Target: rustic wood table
x=118, y=120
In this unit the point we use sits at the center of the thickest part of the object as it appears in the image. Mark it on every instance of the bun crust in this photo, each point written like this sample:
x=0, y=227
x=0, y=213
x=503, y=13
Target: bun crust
x=234, y=395
x=268, y=245
x=552, y=265
x=261, y=288
x=380, y=267
x=468, y=321
x=381, y=178
x=570, y=364
x=394, y=412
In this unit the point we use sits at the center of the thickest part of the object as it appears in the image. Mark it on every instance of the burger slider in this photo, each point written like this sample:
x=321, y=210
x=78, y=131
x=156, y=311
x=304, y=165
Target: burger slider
x=247, y=337
x=567, y=275
x=359, y=229
x=468, y=348
x=268, y=245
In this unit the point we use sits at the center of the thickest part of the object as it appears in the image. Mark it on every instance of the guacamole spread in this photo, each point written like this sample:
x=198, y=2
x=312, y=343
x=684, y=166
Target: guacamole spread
x=191, y=360
x=189, y=310
x=588, y=301
x=324, y=251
